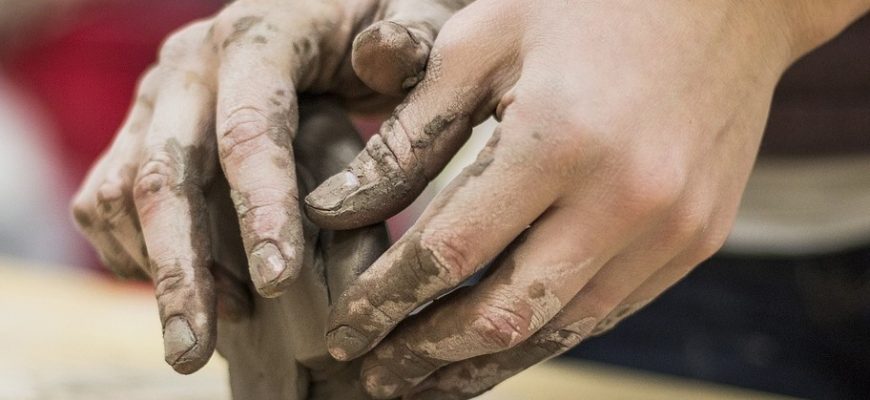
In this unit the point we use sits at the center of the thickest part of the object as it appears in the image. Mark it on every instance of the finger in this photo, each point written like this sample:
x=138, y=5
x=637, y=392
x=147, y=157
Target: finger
x=114, y=196
x=103, y=208
x=527, y=288
x=411, y=148
x=115, y=208
x=98, y=232
x=257, y=119
x=327, y=141
x=390, y=55
x=602, y=302
x=173, y=215
x=466, y=225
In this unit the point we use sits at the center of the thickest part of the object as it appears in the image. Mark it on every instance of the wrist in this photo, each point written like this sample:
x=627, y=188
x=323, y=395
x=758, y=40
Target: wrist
x=810, y=23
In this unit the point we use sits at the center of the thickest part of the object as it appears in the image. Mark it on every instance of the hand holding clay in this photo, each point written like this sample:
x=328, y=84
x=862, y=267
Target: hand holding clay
x=279, y=352
x=627, y=135
x=224, y=95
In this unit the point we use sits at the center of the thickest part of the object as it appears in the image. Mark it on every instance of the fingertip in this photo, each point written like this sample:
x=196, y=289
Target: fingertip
x=184, y=351
x=330, y=195
x=390, y=58
x=273, y=270
x=346, y=343
x=337, y=203
x=381, y=383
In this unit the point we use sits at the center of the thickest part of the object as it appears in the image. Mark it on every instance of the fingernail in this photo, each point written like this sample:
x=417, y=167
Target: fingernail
x=346, y=343
x=267, y=265
x=381, y=383
x=178, y=339
x=331, y=194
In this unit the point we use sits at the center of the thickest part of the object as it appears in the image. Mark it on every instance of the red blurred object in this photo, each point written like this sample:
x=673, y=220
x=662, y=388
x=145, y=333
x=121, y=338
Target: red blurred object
x=85, y=77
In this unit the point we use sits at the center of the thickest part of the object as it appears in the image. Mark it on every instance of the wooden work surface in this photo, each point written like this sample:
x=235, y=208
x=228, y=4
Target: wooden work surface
x=71, y=336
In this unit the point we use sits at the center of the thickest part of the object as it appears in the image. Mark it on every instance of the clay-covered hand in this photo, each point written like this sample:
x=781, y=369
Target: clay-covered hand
x=628, y=131
x=224, y=96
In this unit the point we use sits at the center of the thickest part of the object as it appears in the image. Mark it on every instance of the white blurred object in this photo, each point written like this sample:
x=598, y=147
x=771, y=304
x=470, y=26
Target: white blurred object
x=33, y=210
x=804, y=206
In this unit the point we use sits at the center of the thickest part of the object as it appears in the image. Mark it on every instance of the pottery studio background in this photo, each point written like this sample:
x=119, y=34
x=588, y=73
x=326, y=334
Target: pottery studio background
x=785, y=308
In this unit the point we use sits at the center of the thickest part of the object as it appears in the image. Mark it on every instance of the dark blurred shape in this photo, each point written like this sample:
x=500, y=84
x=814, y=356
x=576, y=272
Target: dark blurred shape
x=798, y=326
x=822, y=104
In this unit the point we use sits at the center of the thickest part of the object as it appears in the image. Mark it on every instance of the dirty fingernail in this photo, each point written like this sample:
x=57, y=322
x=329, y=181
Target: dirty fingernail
x=178, y=340
x=267, y=265
x=382, y=383
x=331, y=194
x=346, y=343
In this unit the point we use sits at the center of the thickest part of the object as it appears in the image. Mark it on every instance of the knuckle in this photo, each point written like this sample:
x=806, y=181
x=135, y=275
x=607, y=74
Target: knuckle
x=567, y=138
x=170, y=277
x=644, y=192
x=247, y=130
x=83, y=212
x=444, y=257
x=709, y=242
x=233, y=23
x=500, y=328
x=687, y=224
x=184, y=43
x=269, y=204
x=161, y=172
x=111, y=202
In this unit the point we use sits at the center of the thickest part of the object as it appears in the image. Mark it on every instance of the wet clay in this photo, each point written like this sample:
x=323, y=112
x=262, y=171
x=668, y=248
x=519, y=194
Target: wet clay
x=279, y=350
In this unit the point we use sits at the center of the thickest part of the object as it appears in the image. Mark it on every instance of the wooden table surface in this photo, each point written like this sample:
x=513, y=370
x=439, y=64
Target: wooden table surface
x=69, y=335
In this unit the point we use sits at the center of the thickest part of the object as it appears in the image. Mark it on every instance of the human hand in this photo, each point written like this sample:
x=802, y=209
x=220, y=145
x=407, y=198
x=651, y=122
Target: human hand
x=223, y=95
x=627, y=135
x=280, y=351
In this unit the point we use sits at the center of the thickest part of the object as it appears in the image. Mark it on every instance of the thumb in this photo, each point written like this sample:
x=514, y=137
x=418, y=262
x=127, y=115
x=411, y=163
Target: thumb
x=390, y=55
x=412, y=147
x=425, y=131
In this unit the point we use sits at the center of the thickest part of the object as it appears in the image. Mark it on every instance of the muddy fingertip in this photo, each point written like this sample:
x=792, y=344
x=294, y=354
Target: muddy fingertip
x=184, y=352
x=389, y=58
x=273, y=270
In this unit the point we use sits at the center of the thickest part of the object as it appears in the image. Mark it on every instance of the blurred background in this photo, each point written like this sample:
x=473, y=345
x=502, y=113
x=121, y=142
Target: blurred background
x=785, y=307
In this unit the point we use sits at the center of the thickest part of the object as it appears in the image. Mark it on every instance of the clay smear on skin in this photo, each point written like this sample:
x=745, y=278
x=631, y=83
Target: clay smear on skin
x=478, y=375
x=240, y=27
x=539, y=306
x=618, y=314
x=400, y=302
x=532, y=309
x=446, y=345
